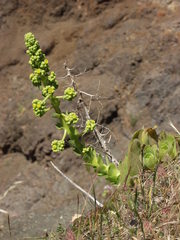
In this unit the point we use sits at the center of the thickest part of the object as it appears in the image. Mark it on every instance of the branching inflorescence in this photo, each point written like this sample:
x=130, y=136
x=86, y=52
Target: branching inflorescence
x=146, y=148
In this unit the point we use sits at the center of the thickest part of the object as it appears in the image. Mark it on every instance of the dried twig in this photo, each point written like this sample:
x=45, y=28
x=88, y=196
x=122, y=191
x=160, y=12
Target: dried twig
x=8, y=217
x=175, y=129
x=98, y=135
x=3, y=196
x=76, y=186
x=9, y=189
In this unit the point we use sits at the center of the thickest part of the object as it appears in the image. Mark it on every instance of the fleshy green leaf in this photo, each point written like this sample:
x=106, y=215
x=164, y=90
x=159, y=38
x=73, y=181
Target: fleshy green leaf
x=167, y=146
x=150, y=157
x=113, y=173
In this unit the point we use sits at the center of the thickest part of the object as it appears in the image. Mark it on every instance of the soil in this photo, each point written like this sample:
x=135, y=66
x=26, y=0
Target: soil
x=130, y=48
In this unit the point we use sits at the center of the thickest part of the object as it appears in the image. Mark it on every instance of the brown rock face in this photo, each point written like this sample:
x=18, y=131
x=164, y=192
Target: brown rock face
x=131, y=47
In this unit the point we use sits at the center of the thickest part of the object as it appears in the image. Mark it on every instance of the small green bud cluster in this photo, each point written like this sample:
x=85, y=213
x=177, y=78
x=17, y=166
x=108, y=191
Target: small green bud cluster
x=33, y=50
x=52, y=80
x=31, y=44
x=37, y=76
x=58, y=145
x=39, y=64
x=71, y=118
x=90, y=125
x=39, y=107
x=87, y=150
x=44, y=65
x=41, y=76
x=69, y=94
x=48, y=90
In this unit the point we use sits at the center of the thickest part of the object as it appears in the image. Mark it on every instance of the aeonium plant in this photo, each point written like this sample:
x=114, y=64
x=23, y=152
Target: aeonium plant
x=46, y=81
x=146, y=148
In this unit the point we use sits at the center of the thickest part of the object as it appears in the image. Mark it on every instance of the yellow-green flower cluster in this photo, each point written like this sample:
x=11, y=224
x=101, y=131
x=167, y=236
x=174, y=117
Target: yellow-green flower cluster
x=57, y=145
x=39, y=64
x=87, y=150
x=34, y=51
x=52, y=79
x=48, y=90
x=31, y=44
x=69, y=94
x=90, y=125
x=71, y=118
x=39, y=107
x=37, y=76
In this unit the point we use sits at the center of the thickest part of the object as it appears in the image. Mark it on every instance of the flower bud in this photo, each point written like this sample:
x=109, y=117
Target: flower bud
x=48, y=90
x=69, y=94
x=44, y=65
x=39, y=107
x=71, y=118
x=87, y=150
x=90, y=125
x=57, y=145
x=52, y=80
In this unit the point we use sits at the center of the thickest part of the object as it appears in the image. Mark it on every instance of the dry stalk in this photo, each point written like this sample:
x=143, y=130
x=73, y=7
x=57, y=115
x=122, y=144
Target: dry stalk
x=98, y=135
x=76, y=185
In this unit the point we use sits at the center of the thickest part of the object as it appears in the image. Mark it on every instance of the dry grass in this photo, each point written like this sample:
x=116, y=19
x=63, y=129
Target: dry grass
x=149, y=210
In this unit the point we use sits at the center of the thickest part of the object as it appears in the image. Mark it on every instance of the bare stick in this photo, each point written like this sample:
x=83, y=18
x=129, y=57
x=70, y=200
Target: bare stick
x=96, y=131
x=9, y=189
x=75, y=185
x=3, y=196
x=8, y=217
x=175, y=129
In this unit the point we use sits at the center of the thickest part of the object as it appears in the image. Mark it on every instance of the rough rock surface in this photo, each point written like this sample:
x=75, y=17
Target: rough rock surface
x=131, y=47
